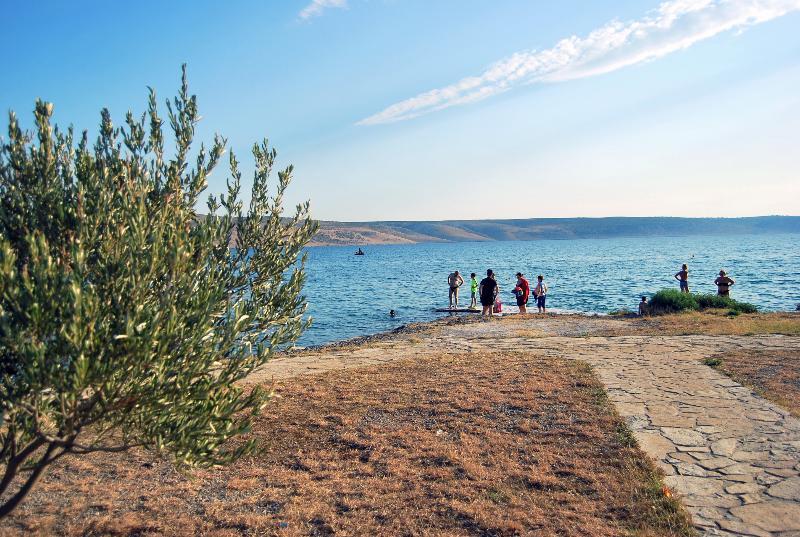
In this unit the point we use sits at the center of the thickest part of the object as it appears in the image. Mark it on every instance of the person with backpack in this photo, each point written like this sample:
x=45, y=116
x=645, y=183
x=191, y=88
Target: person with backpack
x=540, y=293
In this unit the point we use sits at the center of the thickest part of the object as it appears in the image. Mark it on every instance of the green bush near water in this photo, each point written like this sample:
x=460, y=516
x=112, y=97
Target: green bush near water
x=673, y=301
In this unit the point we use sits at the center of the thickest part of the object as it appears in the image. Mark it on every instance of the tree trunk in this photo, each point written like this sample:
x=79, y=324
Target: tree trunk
x=14, y=501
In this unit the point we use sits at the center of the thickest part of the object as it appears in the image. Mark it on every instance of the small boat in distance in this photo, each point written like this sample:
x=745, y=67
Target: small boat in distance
x=359, y=252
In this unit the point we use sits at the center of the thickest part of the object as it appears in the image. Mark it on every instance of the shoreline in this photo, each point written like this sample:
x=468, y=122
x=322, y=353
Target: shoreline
x=416, y=327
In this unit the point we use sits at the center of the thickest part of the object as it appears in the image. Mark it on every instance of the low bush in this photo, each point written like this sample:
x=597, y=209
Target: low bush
x=710, y=301
x=673, y=301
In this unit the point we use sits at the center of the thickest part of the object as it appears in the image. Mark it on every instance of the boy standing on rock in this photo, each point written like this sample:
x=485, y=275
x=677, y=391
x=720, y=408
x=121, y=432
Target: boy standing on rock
x=473, y=287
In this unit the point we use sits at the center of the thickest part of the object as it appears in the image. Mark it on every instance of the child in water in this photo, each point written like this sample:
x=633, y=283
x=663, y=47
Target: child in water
x=473, y=286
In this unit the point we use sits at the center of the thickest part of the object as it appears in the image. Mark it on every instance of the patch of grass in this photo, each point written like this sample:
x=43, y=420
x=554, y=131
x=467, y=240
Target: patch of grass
x=625, y=435
x=772, y=373
x=529, y=333
x=709, y=322
x=666, y=507
x=497, y=496
x=475, y=444
x=673, y=301
x=622, y=312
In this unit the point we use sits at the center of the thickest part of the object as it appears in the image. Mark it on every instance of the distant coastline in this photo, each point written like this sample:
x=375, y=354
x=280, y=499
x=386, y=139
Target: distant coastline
x=399, y=232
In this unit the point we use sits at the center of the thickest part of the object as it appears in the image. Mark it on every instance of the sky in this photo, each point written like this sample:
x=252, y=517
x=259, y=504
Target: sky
x=450, y=109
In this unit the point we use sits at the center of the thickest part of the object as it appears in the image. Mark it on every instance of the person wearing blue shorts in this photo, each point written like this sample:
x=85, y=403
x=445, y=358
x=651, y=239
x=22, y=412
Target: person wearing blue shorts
x=540, y=292
x=683, y=278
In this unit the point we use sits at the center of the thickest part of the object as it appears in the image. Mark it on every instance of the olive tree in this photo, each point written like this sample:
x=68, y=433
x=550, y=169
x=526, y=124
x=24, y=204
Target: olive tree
x=126, y=317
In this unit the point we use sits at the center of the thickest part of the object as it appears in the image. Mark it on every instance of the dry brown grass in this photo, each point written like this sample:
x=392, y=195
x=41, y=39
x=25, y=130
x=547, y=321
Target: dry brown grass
x=473, y=445
x=773, y=373
x=710, y=322
x=529, y=333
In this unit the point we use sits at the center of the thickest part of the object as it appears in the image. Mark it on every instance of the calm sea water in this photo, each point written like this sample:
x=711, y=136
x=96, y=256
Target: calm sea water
x=351, y=295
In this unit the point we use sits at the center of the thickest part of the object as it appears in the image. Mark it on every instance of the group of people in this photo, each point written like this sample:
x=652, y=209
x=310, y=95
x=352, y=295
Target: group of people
x=488, y=292
x=723, y=281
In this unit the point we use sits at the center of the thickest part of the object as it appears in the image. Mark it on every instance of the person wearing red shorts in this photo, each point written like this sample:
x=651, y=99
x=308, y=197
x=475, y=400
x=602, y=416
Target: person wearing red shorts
x=523, y=291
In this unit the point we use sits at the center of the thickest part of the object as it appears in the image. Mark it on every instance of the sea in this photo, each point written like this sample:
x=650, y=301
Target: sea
x=350, y=296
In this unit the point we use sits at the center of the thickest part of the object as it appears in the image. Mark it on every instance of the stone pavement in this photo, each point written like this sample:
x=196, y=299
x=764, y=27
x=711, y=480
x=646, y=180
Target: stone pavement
x=732, y=456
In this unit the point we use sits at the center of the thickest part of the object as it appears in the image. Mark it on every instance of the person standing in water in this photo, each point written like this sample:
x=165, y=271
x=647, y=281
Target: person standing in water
x=473, y=287
x=683, y=278
x=540, y=292
x=454, y=280
x=523, y=291
x=488, y=290
x=724, y=283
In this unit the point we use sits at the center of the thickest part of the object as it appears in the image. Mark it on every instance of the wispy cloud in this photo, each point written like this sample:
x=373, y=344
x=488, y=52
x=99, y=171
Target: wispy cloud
x=317, y=7
x=673, y=26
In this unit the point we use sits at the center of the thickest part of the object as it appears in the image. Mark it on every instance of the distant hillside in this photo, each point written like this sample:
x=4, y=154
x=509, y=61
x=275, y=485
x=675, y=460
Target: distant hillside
x=363, y=233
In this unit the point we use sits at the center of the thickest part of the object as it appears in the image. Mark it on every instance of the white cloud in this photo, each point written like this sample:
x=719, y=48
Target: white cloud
x=316, y=7
x=673, y=26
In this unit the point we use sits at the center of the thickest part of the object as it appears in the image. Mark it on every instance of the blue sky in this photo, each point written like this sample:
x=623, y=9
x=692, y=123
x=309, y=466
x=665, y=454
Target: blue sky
x=411, y=109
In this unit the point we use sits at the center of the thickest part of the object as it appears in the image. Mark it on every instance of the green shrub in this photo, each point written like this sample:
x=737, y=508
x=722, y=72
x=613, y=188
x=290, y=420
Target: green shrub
x=673, y=301
x=126, y=318
x=710, y=301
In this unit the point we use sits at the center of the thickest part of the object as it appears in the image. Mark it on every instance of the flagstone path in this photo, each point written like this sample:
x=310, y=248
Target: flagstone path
x=732, y=456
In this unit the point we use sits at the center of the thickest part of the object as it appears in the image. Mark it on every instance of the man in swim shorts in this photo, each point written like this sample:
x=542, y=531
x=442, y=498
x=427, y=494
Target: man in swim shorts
x=724, y=283
x=683, y=278
x=488, y=291
x=454, y=280
x=523, y=291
